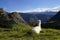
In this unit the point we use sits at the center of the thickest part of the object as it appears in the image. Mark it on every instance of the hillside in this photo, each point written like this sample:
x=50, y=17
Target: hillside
x=21, y=33
x=7, y=19
x=56, y=17
x=54, y=22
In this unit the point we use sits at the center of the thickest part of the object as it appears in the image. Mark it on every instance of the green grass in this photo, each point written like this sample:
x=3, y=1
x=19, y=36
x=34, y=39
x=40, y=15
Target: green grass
x=20, y=32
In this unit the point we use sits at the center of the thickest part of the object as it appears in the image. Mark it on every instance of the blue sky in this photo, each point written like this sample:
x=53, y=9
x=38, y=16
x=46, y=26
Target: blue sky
x=11, y=5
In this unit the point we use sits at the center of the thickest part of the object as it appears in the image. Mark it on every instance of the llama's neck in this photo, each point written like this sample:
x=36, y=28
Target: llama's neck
x=39, y=23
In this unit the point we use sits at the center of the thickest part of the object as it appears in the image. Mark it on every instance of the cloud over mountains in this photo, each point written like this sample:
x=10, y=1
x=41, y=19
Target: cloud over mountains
x=54, y=9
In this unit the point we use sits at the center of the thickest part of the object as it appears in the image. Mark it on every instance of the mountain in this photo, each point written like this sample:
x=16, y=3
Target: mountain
x=16, y=17
x=8, y=19
x=56, y=17
x=43, y=17
x=54, y=22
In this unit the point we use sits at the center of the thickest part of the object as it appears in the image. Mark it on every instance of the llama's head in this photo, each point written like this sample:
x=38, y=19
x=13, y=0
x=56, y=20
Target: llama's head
x=39, y=20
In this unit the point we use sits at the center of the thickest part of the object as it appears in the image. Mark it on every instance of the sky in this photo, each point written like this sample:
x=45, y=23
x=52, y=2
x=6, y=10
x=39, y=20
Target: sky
x=22, y=5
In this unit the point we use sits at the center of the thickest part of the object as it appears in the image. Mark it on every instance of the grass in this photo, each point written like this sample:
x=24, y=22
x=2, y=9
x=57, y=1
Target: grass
x=20, y=32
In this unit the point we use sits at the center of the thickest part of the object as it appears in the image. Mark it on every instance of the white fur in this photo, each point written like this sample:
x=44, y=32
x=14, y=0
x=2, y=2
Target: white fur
x=37, y=29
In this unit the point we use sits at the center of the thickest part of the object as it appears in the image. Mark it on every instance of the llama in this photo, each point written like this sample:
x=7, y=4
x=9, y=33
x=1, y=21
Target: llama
x=37, y=29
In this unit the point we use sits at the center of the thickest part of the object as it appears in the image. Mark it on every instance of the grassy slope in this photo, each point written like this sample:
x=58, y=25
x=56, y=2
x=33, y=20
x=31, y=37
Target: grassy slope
x=19, y=32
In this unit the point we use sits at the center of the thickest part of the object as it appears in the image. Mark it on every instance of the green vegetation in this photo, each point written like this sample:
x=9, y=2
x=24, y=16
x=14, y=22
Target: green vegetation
x=20, y=32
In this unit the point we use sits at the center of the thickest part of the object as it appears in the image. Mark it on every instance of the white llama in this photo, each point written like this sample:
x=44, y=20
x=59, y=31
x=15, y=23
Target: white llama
x=37, y=29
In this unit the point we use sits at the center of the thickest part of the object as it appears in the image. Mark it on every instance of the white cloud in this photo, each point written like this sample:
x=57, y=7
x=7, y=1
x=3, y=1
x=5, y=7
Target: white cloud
x=36, y=10
x=54, y=9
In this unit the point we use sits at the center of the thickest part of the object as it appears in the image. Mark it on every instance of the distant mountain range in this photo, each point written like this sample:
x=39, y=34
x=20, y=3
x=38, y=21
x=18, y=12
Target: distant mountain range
x=44, y=16
x=46, y=12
